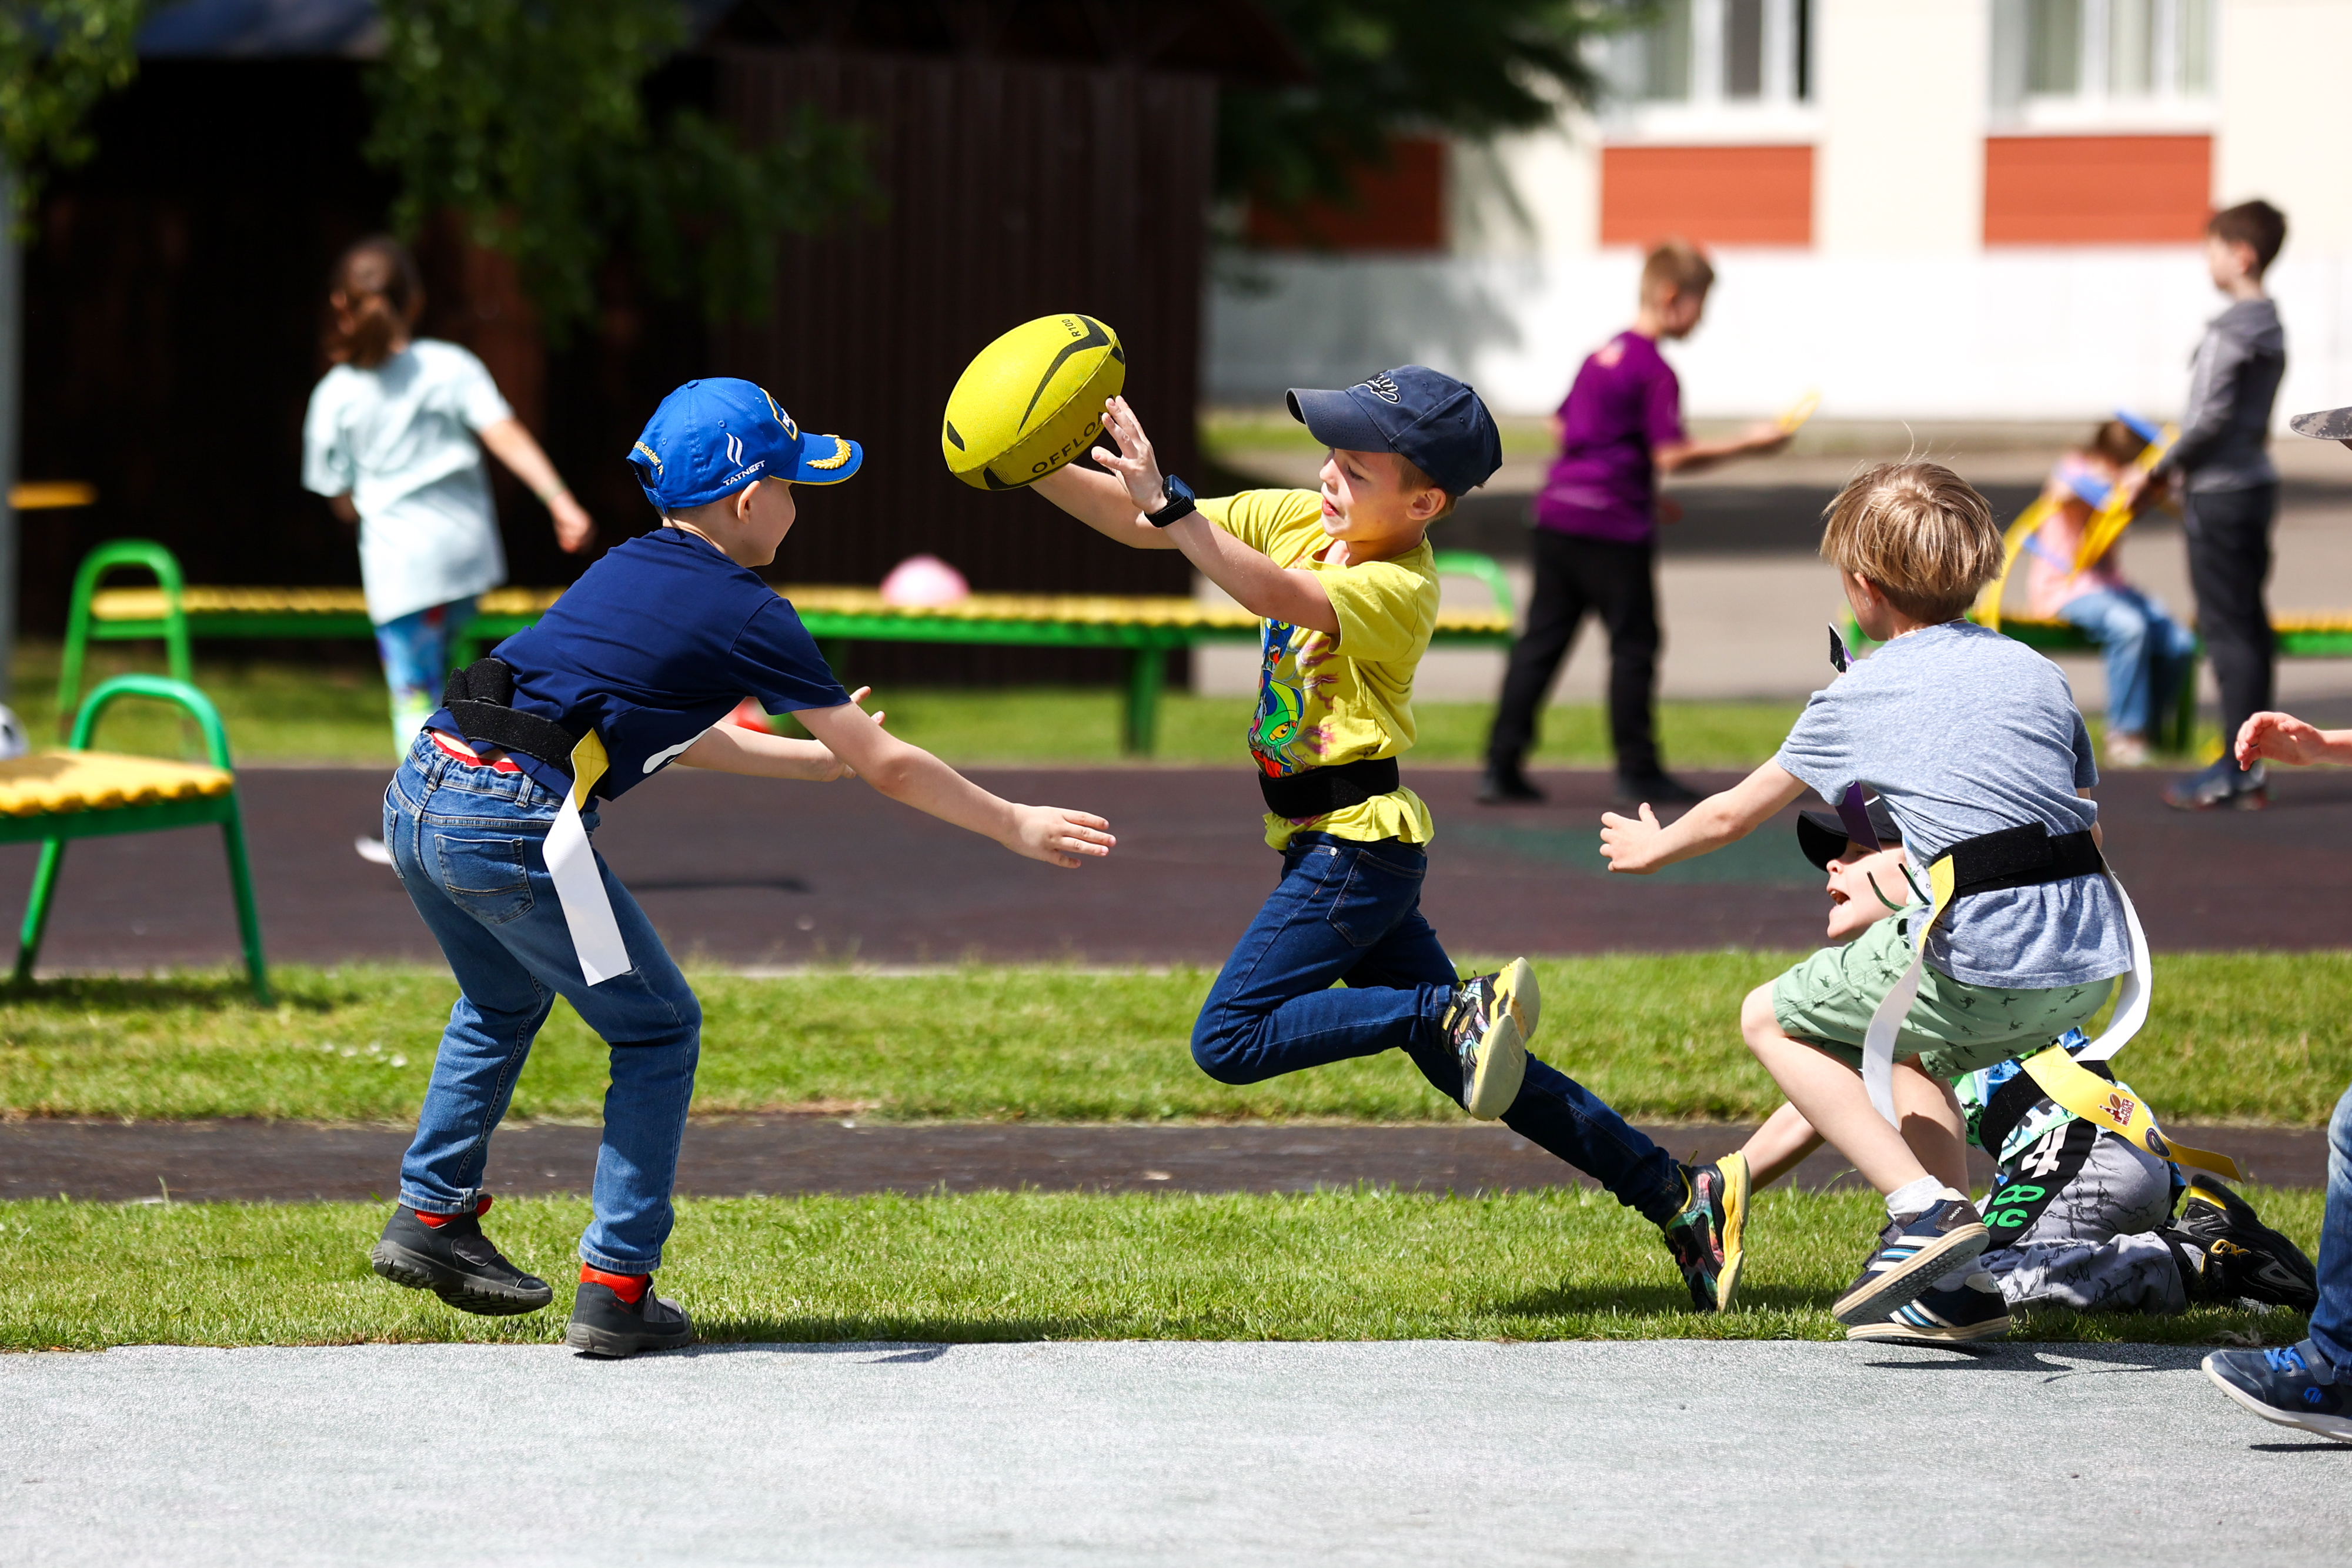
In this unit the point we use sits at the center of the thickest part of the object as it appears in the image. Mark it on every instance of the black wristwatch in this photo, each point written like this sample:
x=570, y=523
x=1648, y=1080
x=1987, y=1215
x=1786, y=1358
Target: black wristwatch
x=1181, y=502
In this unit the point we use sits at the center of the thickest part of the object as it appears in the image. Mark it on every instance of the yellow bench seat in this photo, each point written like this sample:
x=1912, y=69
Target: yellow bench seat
x=52, y=783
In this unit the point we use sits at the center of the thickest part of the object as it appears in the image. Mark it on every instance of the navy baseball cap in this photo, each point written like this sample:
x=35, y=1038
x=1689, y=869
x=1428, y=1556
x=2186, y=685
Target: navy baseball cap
x=710, y=438
x=1425, y=417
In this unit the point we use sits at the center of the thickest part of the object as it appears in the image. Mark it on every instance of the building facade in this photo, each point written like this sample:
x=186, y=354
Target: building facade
x=1925, y=209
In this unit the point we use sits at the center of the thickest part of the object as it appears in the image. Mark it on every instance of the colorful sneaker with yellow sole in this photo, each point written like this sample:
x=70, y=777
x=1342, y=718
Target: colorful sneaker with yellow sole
x=1488, y=1026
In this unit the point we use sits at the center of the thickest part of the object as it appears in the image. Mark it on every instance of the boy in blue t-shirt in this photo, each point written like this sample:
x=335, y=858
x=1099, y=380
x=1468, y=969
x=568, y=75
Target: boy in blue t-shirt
x=487, y=819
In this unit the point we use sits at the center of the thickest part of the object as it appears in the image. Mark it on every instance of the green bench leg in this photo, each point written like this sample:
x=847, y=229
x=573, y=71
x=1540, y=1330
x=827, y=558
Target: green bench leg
x=248, y=918
x=37, y=908
x=1147, y=671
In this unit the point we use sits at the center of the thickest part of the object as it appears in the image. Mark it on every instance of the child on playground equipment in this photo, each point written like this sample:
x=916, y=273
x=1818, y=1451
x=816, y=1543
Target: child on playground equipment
x=1340, y=962
x=2081, y=1218
x=395, y=437
x=2147, y=654
x=1974, y=742
x=488, y=819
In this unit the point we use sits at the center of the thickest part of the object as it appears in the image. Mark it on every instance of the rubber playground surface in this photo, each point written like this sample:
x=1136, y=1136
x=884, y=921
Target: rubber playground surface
x=746, y=871
x=1143, y=1453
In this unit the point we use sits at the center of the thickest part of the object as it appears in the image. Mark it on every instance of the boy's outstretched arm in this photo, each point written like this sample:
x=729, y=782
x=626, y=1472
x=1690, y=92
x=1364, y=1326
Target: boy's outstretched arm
x=914, y=777
x=1113, y=503
x=731, y=749
x=2283, y=738
x=1641, y=845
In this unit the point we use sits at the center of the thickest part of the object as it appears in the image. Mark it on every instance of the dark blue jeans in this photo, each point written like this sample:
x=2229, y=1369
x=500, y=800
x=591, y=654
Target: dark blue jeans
x=1350, y=913
x=2331, y=1324
x=470, y=844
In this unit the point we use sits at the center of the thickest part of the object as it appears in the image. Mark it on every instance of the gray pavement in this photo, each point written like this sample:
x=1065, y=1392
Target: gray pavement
x=1145, y=1453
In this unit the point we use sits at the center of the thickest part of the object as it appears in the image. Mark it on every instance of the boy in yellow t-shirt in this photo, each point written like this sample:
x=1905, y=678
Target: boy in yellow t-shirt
x=1347, y=585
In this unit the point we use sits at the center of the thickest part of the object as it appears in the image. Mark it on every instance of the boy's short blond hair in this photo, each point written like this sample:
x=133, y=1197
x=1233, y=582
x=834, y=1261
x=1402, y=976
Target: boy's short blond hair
x=1412, y=478
x=1919, y=533
x=1674, y=267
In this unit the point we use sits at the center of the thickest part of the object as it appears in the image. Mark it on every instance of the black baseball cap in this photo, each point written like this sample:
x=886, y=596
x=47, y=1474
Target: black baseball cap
x=1822, y=835
x=1425, y=417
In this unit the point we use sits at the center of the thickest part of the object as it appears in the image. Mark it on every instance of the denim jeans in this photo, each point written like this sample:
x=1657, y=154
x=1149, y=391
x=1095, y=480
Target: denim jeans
x=1350, y=913
x=2149, y=653
x=2331, y=1324
x=468, y=844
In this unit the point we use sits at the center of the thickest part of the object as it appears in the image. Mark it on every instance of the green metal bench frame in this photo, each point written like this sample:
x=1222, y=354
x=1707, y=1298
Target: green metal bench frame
x=1147, y=647
x=52, y=829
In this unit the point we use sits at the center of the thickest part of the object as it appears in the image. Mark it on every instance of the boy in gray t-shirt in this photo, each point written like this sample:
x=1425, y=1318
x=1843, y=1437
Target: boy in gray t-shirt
x=1964, y=735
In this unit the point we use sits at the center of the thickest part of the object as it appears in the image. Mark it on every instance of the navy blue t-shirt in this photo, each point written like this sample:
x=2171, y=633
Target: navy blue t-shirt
x=654, y=643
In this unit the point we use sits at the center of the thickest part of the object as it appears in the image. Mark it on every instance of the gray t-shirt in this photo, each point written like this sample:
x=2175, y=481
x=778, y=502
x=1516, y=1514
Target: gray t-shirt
x=1965, y=732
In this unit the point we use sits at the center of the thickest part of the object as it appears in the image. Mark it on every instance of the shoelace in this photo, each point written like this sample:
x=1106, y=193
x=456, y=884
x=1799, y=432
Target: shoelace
x=2288, y=1359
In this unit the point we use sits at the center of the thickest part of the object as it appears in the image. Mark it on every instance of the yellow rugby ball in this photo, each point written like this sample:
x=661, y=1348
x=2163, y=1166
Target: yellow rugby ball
x=1031, y=400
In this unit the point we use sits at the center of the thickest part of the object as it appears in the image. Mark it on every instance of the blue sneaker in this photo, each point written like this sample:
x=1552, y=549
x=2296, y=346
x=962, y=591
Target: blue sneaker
x=1974, y=1311
x=2279, y=1385
x=1914, y=1252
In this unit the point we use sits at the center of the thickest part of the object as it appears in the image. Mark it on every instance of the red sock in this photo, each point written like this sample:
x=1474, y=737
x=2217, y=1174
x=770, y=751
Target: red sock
x=436, y=1221
x=628, y=1287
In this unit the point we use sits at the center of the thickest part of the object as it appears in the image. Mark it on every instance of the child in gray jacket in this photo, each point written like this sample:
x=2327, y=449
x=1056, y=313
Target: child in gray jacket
x=2230, y=489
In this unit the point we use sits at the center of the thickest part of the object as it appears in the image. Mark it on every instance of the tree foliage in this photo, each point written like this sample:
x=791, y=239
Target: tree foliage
x=1381, y=67
x=57, y=59
x=527, y=119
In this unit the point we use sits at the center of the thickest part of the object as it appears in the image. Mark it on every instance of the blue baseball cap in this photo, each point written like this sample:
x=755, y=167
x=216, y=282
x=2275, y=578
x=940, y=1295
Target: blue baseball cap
x=1425, y=417
x=710, y=438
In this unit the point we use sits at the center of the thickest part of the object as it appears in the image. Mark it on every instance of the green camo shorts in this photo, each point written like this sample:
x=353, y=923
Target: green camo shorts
x=1954, y=1028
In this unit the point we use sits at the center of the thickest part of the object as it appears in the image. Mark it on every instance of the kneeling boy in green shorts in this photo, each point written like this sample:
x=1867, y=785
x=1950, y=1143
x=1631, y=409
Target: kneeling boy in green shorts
x=1974, y=743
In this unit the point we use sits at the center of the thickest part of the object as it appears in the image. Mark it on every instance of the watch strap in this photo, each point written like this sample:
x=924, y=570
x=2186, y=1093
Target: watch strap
x=1181, y=503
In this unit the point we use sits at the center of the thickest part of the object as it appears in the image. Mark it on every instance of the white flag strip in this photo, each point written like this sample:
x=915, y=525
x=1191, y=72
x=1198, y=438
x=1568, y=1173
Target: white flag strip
x=1878, y=1040
x=579, y=886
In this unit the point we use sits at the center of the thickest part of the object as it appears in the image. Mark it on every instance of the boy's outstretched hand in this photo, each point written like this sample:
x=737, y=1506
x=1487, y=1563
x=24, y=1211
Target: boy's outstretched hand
x=1630, y=844
x=1057, y=835
x=1134, y=462
x=2283, y=738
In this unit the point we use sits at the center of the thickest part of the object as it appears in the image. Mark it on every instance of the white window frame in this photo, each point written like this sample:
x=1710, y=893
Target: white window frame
x=1707, y=118
x=2094, y=108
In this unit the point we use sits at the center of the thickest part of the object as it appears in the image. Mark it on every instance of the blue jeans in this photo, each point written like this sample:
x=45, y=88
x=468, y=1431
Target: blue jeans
x=417, y=649
x=468, y=844
x=1350, y=913
x=2149, y=653
x=2331, y=1324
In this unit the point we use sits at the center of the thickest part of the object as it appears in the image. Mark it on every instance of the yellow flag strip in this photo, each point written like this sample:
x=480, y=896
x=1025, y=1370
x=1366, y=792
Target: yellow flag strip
x=1797, y=412
x=579, y=884
x=2112, y=1109
x=1878, y=1040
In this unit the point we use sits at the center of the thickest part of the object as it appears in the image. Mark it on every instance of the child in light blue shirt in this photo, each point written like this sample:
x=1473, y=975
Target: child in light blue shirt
x=394, y=435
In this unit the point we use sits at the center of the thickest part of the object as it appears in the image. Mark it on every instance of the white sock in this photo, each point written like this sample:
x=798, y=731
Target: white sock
x=1956, y=1278
x=1911, y=1197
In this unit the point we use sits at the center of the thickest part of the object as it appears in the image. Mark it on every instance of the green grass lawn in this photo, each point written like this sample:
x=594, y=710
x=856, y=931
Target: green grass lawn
x=2254, y=1038
x=1354, y=1264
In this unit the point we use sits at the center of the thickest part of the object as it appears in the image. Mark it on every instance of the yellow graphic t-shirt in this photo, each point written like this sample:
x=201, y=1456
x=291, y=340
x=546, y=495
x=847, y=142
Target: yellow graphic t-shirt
x=1324, y=700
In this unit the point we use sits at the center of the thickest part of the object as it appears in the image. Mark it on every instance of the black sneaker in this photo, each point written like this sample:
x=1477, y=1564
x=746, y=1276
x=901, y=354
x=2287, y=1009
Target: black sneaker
x=2226, y=1252
x=2281, y=1386
x=457, y=1263
x=1974, y=1311
x=1654, y=790
x=1704, y=1237
x=2221, y=788
x=604, y=1325
x=1503, y=785
x=1914, y=1252
x=1488, y=1026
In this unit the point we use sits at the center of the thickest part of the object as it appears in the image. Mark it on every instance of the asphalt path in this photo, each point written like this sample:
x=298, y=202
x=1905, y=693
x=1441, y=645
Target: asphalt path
x=1318, y=1455
x=747, y=872
x=241, y=1161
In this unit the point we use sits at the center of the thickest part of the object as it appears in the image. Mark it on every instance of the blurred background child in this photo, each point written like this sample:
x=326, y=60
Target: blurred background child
x=394, y=438
x=1597, y=529
x=2230, y=489
x=2149, y=653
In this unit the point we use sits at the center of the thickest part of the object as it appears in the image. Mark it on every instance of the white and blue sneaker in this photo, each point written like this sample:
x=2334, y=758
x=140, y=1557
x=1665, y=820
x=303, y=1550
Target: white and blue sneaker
x=1914, y=1252
x=2283, y=1386
x=1974, y=1311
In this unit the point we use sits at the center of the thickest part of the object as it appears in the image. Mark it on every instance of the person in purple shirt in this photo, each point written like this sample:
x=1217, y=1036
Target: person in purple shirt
x=1596, y=533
